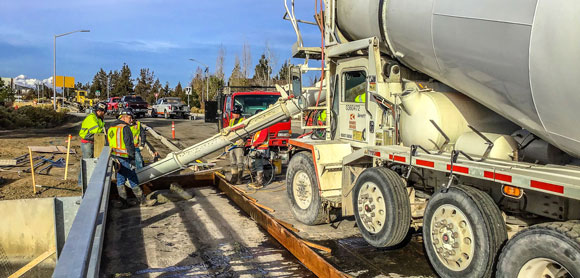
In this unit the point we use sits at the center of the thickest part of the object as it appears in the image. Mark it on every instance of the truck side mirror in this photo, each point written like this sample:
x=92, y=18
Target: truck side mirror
x=296, y=81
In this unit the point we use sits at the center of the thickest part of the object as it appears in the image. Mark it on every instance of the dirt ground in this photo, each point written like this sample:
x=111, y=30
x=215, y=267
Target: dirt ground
x=16, y=184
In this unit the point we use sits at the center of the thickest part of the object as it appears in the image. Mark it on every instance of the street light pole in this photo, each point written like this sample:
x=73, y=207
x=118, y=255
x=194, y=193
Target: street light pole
x=206, y=78
x=54, y=61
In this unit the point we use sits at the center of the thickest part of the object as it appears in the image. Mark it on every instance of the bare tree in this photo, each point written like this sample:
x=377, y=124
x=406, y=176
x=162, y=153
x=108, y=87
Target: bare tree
x=272, y=59
x=246, y=59
x=219, y=66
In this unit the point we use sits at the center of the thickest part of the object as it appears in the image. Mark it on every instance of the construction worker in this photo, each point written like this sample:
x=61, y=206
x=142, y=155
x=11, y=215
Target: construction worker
x=139, y=138
x=259, y=150
x=362, y=98
x=120, y=139
x=94, y=123
x=236, y=152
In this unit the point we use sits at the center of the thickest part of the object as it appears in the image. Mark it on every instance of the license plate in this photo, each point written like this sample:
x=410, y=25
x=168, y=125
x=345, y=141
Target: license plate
x=357, y=135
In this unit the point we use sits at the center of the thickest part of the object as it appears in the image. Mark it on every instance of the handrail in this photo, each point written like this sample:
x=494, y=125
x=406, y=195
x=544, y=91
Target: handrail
x=75, y=256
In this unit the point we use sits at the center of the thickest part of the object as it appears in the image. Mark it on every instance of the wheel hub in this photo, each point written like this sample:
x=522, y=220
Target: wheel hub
x=371, y=207
x=544, y=268
x=302, y=190
x=452, y=237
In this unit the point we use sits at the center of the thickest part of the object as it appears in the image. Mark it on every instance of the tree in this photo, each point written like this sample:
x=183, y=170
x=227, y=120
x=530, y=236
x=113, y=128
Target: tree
x=262, y=71
x=179, y=92
x=219, y=66
x=246, y=59
x=99, y=83
x=166, y=90
x=113, y=79
x=6, y=93
x=145, y=84
x=237, y=78
x=124, y=84
x=284, y=73
x=155, y=89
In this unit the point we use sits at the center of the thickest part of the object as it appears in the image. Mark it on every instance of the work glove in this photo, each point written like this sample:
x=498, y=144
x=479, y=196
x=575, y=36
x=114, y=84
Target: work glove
x=141, y=148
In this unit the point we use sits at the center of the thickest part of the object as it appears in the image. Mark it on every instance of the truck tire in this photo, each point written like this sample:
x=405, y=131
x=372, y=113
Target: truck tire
x=303, y=192
x=463, y=231
x=381, y=207
x=544, y=250
x=153, y=113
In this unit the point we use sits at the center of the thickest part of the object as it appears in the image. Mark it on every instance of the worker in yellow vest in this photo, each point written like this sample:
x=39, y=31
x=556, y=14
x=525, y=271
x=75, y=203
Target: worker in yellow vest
x=93, y=123
x=122, y=146
x=362, y=98
x=236, y=152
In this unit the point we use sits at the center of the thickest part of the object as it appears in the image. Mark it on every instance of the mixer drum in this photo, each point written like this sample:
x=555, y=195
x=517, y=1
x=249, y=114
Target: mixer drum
x=519, y=58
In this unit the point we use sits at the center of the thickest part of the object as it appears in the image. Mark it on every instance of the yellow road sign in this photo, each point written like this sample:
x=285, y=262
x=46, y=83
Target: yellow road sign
x=65, y=81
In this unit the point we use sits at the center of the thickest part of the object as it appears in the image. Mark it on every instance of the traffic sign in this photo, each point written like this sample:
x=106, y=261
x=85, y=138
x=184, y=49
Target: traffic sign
x=98, y=93
x=188, y=91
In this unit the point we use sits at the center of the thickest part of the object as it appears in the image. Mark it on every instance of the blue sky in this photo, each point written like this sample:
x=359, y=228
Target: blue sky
x=158, y=34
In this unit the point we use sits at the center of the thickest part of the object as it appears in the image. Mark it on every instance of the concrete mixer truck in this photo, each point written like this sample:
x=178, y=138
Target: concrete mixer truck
x=458, y=118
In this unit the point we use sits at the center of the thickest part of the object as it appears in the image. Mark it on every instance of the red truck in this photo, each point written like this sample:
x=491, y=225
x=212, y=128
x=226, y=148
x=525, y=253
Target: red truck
x=251, y=103
x=113, y=105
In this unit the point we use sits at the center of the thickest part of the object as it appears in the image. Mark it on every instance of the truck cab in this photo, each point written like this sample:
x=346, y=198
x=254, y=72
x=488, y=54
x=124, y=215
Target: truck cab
x=253, y=103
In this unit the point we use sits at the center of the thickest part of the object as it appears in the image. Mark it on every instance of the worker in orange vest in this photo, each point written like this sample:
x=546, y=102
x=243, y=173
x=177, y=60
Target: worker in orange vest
x=122, y=146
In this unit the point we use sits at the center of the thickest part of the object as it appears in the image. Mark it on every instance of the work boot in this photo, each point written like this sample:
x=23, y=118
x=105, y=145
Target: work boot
x=240, y=176
x=234, y=179
x=259, y=183
x=139, y=194
x=122, y=192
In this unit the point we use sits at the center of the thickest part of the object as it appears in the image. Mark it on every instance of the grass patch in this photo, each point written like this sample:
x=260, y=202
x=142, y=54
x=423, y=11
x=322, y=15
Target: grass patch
x=30, y=117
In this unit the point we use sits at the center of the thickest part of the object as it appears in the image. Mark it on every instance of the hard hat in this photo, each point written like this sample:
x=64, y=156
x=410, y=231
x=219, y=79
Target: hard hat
x=101, y=107
x=237, y=109
x=127, y=112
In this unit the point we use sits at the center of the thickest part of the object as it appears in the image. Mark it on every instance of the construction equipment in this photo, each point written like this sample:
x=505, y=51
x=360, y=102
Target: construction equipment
x=81, y=100
x=435, y=108
x=430, y=122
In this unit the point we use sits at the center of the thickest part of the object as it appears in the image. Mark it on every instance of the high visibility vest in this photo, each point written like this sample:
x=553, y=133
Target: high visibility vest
x=361, y=98
x=136, y=130
x=116, y=142
x=234, y=122
x=91, y=124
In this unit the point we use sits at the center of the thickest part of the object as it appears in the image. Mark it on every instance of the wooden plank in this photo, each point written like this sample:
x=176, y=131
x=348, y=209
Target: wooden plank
x=297, y=247
x=317, y=246
x=32, y=170
x=264, y=207
x=8, y=162
x=33, y=263
x=99, y=144
x=287, y=225
x=50, y=149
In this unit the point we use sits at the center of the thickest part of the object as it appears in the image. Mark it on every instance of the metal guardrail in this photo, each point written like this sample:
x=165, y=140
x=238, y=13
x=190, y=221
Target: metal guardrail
x=80, y=256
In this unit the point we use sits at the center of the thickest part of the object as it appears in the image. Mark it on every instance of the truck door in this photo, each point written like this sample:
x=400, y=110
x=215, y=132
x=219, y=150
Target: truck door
x=227, y=111
x=353, y=118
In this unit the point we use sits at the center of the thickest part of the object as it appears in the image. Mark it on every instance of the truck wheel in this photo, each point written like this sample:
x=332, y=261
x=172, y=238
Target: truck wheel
x=463, y=231
x=544, y=250
x=302, y=189
x=381, y=207
x=153, y=113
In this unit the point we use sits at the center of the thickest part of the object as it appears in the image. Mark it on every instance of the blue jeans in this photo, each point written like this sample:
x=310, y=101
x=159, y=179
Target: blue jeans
x=138, y=158
x=126, y=173
x=87, y=149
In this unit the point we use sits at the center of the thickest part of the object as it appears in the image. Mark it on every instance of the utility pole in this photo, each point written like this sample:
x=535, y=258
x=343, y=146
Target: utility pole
x=54, y=73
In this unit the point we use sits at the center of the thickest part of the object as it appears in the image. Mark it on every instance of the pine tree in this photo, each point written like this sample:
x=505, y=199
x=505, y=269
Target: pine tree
x=6, y=93
x=145, y=84
x=99, y=83
x=124, y=83
x=284, y=73
x=237, y=78
x=179, y=92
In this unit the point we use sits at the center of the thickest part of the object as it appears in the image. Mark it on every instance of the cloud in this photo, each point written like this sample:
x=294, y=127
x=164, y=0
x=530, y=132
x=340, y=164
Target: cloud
x=147, y=46
x=24, y=81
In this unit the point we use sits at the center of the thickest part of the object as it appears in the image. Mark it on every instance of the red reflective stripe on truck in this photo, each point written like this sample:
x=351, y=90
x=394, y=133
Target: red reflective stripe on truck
x=547, y=186
x=488, y=174
x=502, y=177
x=459, y=169
x=400, y=158
x=425, y=163
x=497, y=176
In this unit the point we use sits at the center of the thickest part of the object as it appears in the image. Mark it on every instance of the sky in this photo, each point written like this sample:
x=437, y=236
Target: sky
x=161, y=35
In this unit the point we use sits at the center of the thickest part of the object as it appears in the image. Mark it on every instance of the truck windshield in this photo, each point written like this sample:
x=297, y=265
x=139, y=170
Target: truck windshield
x=134, y=99
x=173, y=101
x=253, y=103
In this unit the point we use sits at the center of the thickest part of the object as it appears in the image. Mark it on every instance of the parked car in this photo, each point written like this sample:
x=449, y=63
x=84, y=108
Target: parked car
x=113, y=105
x=170, y=107
x=136, y=103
